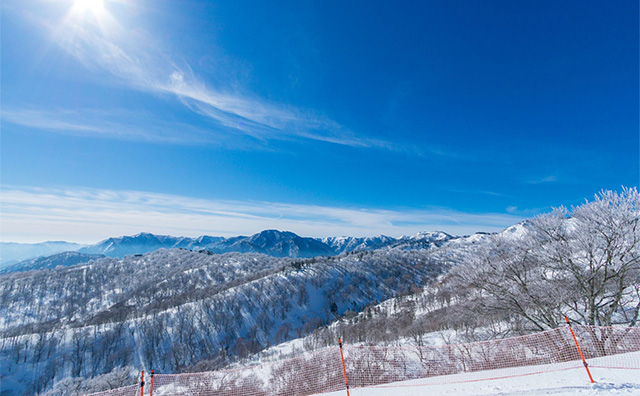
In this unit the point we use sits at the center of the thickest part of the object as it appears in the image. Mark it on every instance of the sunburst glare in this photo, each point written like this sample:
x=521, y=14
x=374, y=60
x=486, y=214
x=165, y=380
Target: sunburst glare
x=95, y=6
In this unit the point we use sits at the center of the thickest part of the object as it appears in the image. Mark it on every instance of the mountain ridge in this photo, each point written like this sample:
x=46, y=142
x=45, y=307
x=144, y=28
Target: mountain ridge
x=271, y=242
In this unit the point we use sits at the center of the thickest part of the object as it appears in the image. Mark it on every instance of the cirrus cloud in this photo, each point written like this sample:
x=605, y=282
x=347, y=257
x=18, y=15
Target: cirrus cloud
x=134, y=59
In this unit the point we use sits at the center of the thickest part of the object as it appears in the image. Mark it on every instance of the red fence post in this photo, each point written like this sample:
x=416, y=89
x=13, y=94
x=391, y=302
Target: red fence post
x=344, y=368
x=586, y=366
x=141, y=383
x=151, y=388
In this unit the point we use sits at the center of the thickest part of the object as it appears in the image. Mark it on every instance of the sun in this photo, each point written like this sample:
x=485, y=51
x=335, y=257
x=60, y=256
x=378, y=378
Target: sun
x=87, y=14
x=95, y=6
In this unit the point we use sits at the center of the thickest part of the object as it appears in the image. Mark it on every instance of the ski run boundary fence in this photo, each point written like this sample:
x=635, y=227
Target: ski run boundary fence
x=326, y=371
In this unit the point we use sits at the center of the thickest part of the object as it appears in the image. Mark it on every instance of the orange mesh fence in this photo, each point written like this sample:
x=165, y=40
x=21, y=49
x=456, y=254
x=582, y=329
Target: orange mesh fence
x=600, y=342
x=551, y=350
x=308, y=374
x=131, y=390
x=322, y=371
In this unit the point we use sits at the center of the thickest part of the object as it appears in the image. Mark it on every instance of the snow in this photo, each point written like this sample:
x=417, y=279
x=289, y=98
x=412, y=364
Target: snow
x=549, y=380
x=430, y=236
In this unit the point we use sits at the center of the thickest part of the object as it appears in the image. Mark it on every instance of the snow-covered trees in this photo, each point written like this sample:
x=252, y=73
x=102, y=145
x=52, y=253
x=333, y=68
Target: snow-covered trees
x=174, y=308
x=584, y=263
x=595, y=257
x=119, y=377
x=506, y=279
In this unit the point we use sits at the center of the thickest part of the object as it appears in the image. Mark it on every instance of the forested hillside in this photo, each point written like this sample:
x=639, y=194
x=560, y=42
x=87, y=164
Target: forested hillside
x=174, y=308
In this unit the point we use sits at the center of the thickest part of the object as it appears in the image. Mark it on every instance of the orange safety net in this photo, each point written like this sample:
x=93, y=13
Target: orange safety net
x=322, y=371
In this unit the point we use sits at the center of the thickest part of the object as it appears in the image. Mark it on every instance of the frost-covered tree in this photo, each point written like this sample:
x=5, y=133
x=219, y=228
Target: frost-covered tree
x=119, y=377
x=584, y=263
x=505, y=279
x=594, y=254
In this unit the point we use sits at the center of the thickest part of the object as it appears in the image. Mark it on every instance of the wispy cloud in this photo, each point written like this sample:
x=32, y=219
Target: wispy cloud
x=31, y=214
x=122, y=124
x=55, y=120
x=133, y=59
x=476, y=192
x=543, y=180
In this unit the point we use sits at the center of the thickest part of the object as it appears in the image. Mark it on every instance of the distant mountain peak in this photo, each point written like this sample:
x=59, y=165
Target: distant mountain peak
x=430, y=235
x=280, y=244
x=274, y=234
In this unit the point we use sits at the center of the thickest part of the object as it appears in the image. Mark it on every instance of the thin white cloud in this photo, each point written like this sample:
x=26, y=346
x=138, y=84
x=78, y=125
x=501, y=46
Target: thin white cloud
x=134, y=59
x=122, y=124
x=31, y=214
x=476, y=192
x=543, y=180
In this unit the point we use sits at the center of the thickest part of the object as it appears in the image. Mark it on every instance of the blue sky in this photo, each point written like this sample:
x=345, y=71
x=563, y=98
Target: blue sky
x=323, y=118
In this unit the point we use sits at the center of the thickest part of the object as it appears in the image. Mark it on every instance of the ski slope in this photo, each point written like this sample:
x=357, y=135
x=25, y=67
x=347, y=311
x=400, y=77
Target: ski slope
x=550, y=380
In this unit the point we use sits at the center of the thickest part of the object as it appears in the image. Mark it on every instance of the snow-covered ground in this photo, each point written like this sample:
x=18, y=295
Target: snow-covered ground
x=564, y=382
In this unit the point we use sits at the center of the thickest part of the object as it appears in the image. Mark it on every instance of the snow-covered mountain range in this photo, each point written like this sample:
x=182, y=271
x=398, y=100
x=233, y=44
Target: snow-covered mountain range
x=271, y=242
